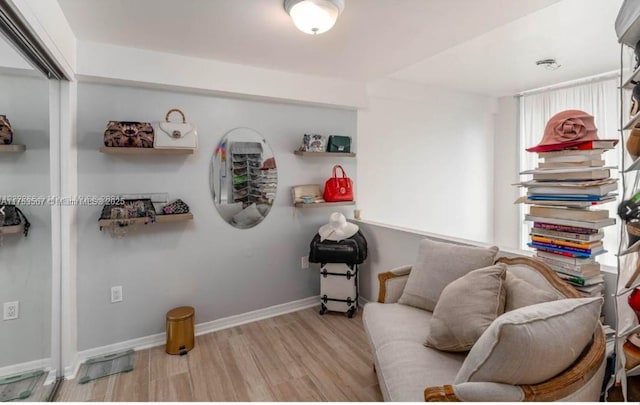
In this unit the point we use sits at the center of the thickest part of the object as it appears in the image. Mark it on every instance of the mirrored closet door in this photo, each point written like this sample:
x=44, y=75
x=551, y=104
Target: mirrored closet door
x=29, y=354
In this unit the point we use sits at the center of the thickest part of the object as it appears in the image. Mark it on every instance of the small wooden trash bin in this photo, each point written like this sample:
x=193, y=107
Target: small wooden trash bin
x=180, y=330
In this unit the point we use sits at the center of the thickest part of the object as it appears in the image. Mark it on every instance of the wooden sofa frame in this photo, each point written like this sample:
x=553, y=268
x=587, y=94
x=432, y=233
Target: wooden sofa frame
x=560, y=386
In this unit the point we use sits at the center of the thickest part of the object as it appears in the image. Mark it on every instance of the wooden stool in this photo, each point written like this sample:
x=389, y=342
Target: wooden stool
x=180, y=330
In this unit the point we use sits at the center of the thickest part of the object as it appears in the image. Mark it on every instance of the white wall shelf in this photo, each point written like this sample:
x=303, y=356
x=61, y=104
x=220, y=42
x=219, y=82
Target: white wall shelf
x=324, y=154
x=7, y=230
x=633, y=122
x=323, y=204
x=635, y=77
x=12, y=148
x=145, y=151
x=159, y=219
x=633, y=166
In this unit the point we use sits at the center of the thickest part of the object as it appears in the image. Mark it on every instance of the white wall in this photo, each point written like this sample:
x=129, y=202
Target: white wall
x=25, y=263
x=506, y=214
x=426, y=160
x=220, y=270
x=164, y=70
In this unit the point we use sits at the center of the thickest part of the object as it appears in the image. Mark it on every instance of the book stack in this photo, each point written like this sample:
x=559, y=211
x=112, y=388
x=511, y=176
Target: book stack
x=567, y=231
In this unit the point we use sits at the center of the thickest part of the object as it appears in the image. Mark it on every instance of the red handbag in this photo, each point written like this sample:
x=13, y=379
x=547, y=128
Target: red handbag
x=338, y=188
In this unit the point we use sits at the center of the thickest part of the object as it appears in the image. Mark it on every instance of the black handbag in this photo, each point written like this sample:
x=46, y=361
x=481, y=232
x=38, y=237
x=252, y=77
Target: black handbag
x=176, y=207
x=10, y=215
x=338, y=143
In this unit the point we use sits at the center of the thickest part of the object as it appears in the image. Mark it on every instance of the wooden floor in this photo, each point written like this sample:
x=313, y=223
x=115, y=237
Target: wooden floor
x=301, y=356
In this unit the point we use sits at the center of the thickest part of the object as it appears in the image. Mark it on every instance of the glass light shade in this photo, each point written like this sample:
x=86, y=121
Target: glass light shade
x=314, y=16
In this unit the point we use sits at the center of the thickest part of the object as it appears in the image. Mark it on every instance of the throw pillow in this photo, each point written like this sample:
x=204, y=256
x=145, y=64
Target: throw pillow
x=521, y=293
x=466, y=308
x=437, y=265
x=531, y=344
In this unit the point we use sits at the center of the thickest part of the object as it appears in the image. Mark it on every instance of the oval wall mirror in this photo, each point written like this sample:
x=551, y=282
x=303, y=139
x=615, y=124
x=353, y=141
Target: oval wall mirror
x=243, y=178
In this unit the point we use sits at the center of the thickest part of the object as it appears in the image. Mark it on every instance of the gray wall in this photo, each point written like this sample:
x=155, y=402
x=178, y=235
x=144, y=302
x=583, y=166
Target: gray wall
x=220, y=270
x=25, y=263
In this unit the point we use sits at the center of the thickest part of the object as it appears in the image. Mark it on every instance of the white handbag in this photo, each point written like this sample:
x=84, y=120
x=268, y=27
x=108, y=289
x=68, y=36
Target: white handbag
x=175, y=135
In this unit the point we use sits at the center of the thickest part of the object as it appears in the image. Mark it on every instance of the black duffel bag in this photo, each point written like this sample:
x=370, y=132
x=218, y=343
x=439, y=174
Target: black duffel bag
x=352, y=250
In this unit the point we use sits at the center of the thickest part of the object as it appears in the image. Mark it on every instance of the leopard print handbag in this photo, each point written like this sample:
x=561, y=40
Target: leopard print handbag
x=6, y=133
x=129, y=134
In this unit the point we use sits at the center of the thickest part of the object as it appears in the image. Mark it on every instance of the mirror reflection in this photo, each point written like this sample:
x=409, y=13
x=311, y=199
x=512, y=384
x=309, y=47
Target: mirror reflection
x=243, y=178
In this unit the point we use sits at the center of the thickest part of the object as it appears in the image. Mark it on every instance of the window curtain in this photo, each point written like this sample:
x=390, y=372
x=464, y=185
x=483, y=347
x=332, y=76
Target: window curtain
x=599, y=98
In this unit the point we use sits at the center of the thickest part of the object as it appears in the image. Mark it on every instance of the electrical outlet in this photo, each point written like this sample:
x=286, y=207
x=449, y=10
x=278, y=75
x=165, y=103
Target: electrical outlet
x=304, y=262
x=11, y=310
x=116, y=294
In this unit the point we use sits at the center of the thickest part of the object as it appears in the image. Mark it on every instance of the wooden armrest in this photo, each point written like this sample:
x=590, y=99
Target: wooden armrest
x=402, y=271
x=443, y=393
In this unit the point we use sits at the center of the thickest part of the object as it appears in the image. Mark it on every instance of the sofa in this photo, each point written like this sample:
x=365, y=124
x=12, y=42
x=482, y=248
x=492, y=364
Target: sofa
x=562, y=357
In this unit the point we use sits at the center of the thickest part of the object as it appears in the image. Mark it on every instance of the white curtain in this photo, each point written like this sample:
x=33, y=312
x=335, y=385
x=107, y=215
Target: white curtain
x=598, y=98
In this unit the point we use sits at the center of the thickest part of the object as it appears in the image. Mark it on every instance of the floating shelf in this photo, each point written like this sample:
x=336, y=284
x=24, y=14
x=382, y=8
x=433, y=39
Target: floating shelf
x=633, y=372
x=324, y=154
x=633, y=166
x=160, y=219
x=635, y=77
x=635, y=120
x=7, y=230
x=323, y=204
x=145, y=151
x=631, y=36
x=629, y=331
x=12, y=148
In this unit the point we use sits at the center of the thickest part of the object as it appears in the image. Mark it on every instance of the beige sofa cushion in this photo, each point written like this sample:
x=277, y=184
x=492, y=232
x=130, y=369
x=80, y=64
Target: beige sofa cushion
x=466, y=308
x=532, y=344
x=437, y=265
x=521, y=293
x=404, y=366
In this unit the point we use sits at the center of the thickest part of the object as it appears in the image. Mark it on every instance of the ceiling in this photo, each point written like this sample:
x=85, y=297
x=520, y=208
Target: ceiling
x=482, y=46
x=579, y=34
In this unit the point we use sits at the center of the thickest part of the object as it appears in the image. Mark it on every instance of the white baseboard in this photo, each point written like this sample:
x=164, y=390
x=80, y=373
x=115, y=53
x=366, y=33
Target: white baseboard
x=159, y=339
x=44, y=364
x=40, y=364
x=270, y=312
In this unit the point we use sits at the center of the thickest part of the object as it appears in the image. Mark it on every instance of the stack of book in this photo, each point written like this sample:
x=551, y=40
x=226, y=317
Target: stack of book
x=567, y=232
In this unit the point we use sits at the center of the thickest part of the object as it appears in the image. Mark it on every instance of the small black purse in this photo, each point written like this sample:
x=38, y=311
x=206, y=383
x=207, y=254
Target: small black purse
x=10, y=215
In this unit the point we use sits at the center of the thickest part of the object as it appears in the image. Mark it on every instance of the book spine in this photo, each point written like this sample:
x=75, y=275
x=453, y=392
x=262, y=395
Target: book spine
x=564, y=248
x=561, y=242
x=572, y=273
x=563, y=235
x=571, y=214
x=565, y=228
x=574, y=263
x=575, y=176
x=596, y=145
x=559, y=251
x=573, y=279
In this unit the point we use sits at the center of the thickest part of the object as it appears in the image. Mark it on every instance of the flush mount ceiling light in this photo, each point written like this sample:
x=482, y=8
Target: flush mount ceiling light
x=549, y=64
x=314, y=16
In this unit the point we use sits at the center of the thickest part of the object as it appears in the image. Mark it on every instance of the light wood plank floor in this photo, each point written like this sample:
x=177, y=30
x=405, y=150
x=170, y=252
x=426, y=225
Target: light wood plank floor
x=301, y=356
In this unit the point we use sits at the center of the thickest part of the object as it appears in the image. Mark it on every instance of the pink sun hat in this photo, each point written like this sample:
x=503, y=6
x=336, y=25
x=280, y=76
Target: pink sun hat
x=567, y=129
